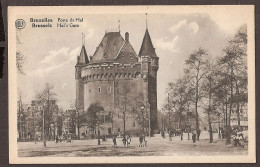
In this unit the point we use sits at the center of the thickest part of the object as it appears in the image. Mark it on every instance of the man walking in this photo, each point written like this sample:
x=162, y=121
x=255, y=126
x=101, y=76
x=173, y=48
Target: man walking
x=114, y=141
x=194, y=138
x=141, y=141
x=124, y=141
x=170, y=135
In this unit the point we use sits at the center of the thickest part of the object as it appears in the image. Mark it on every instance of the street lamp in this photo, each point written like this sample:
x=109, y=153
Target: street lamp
x=219, y=126
x=142, y=108
x=149, y=117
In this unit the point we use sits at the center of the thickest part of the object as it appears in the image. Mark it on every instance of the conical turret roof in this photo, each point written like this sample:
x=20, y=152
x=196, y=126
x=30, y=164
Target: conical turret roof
x=147, y=48
x=83, y=57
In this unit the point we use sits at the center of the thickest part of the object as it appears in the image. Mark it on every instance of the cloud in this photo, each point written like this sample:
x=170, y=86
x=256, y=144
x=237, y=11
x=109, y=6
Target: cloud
x=194, y=27
x=231, y=21
x=53, y=54
x=183, y=25
x=176, y=27
x=169, y=45
x=55, y=59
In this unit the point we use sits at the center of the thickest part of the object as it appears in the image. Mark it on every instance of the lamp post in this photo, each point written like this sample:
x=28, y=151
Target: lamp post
x=219, y=126
x=149, y=117
x=34, y=126
x=43, y=128
x=142, y=108
x=149, y=122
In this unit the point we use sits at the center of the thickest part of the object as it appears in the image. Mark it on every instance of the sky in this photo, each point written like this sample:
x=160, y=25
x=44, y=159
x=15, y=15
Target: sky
x=51, y=53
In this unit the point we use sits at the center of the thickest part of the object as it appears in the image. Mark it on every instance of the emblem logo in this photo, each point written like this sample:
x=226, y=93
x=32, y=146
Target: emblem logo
x=20, y=23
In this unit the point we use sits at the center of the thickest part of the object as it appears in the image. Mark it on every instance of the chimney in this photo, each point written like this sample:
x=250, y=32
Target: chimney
x=127, y=36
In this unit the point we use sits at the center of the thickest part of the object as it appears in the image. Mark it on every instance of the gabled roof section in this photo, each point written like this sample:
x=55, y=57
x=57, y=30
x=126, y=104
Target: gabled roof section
x=147, y=48
x=108, y=48
x=83, y=57
x=127, y=47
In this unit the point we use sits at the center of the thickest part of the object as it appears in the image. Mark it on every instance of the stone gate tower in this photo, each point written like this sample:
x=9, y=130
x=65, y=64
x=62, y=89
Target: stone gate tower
x=114, y=67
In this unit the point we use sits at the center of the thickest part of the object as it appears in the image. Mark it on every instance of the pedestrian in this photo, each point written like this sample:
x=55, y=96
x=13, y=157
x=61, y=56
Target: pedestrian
x=144, y=141
x=128, y=141
x=124, y=141
x=99, y=141
x=140, y=140
x=194, y=138
x=56, y=139
x=170, y=135
x=163, y=134
x=114, y=141
x=198, y=134
x=241, y=139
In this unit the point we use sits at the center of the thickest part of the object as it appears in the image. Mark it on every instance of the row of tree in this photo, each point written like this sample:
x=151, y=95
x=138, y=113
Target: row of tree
x=215, y=86
x=45, y=116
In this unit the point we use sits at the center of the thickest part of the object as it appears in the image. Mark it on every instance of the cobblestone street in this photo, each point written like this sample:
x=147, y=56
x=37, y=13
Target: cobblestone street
x=156, y=146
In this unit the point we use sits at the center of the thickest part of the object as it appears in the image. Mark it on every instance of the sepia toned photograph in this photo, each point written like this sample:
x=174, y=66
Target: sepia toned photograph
x=131, y=84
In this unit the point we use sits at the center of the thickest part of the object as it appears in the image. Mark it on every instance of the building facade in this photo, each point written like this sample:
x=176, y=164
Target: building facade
x=114, y=68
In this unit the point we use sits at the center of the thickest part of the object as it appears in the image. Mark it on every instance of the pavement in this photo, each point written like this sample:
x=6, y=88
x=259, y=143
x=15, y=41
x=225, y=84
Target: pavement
x=157, y=146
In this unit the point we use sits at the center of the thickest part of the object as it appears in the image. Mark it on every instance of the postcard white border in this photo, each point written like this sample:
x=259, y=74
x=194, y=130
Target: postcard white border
x=13, y=11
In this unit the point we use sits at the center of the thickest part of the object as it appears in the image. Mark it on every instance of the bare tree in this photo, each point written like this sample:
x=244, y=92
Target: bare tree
x=78, y=117
x=234, y=64
x=196, y=71
x=20, y=58
x=125, y=105
x=209, y=90
x=20, y=119
x=179, y=92
x=46, y=98
x=141, y=110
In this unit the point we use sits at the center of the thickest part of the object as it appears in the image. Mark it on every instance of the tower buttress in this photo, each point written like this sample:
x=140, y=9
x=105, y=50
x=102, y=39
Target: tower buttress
x=150, y=61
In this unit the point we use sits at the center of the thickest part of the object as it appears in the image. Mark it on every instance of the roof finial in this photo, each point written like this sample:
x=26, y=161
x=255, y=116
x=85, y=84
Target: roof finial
x=119, y=26
x=83, y=39
x=82, y=36
x=146, y=21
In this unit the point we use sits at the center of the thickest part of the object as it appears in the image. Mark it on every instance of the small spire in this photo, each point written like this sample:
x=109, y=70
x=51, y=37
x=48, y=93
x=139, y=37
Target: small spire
x=119, y=26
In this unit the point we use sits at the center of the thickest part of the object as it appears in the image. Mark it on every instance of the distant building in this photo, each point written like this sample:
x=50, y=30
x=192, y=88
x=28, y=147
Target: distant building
x=30, y=120
x=113, y=67
x=69, y=122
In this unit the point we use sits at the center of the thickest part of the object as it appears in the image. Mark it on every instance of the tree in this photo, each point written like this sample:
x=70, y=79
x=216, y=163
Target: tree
x=20, y=58
x=196, y=71
x=234, y=64
x=20, y=115
x=79, y=118
x=179, y=93
x=93, y=116
x=46, y=98
x=125, y=105
x=141, y=110
x=209, y=90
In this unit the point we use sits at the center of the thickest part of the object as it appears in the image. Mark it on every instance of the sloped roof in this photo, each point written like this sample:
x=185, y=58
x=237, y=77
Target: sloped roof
x=127, y=47
x=108, y=48
x=147, y=48
x=83, y=57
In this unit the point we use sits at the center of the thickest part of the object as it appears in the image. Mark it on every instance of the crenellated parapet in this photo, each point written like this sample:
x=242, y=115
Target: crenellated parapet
x=111, y=71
